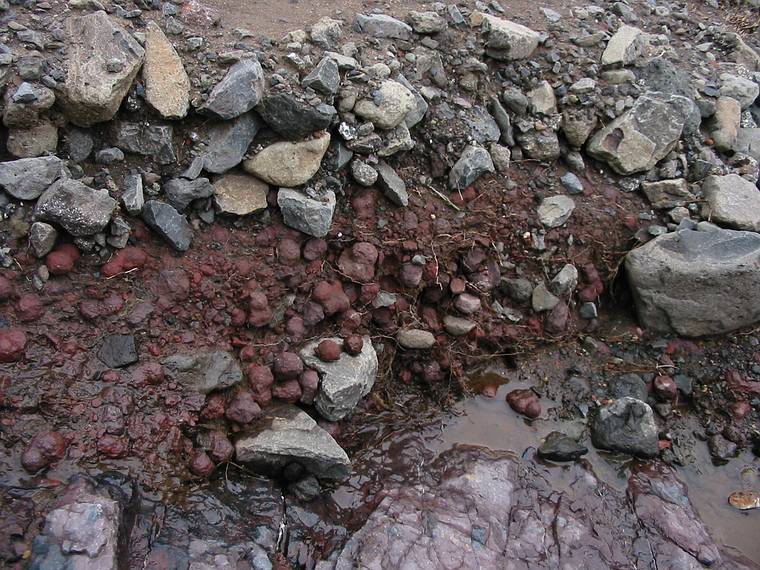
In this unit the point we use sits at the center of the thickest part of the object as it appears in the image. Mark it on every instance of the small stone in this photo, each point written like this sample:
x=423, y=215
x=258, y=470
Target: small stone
x=415, y=339
x=325, y=78
x=572, y=183
x=240, y=194
x=289, y=164
x=555, y=210
x=525, y=402
x=457, y=326
x=328, y=351
x=168, y=223
x=118, y=350
x=382, y=26
x=132, y=196
x=624, y=47
x=201, y=464
x=467, y=304
x=12, y=345
x=42, y=238
x=312, y=216
x=167, y=86
x=393, y=186
x=363, y=173
x=542, y=300
x=155, y=141
x=588, y=311
x=109, y=156
x=732, y=201
x=80, y=210
x=665, y=194
x=559, y=447
x=181, y=192
x=389, y=105
x=243, y=408
x=626, y=425
x=228, y=141
x=427, y=22
x=473, y=163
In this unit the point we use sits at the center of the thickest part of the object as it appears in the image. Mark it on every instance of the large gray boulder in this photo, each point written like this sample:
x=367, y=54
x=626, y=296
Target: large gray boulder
x=78, y=209
x=642, y=136
x=204, y=372
x=345, y=381
x=240, y=91
x=732, y=201
x=103, y=60
x=28, y=178
x=697, y=283
x=312, y=216
x=286, y=434
x=626, y=425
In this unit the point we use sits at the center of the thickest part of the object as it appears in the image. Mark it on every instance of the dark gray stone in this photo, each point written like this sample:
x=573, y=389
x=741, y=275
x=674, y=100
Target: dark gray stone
x=482, y=126
x=312, y=216
x=503, y=121
x=292, y=118
x=204, y=371
x=42, y=238
x=472, y=164
x=132, y=196
x=626, y=425
x=240, y=91
x=79, y=143
x=560, y=447
x=109, y=156
x=153, y=141
x=628, y=386
x=393, y=186
x=79, y=209
x=28, y=178
x=118, y=350
x=168, y=223
x=324, y=78
x=572, y=183
x=181, y=192
x=228, y=142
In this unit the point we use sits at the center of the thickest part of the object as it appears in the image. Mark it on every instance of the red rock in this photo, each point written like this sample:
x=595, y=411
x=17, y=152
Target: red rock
x=45, y=448
x=7, y=290
x=358, y=262
x=315, y=249
x=328, y=351
x=174, y=284
x=457, y=286
x=665, y=388
x=288, y=391
x=112, y=446
x=556, y=320
x=410, y=275
x=287, y=366
x=214, y=408
x=259, y=313
x=12, y=345
x=588, y=294
x=288, y=252
x=369, y=292
x=431, y=372
x=62, y=260
x=218, y=447
x=740, y=410
x=309, y=382
x=243, y=408
x=29, y=307
x=467, y=304
x=124, y=260
x=201, y=464
x=525, y=402
x=295, y=328
x=353, y=344
x=331, y=297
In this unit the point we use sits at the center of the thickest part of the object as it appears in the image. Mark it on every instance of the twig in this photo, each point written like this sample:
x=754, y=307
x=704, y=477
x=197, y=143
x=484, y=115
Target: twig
x=444, y=198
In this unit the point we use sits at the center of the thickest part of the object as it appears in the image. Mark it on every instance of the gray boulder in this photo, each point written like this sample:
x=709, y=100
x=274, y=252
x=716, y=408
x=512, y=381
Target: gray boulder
x=168, y=223
x=345, y=381
x=240, y=91
x=312, y=216
x=204, y=372
x=181, y=192
x=666, y=194
x=472, y=164
x=286, y=434
x=79, y=209
x=28, y=178
x=744, y=90
x=382, y=26
x=732, y=201
x=154, y=141
x=294, y=119
x=626, y=425
x=697, y=283
x=103, y=60
x=228, y=142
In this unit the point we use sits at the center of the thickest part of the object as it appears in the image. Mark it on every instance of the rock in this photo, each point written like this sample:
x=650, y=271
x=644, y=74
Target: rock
x=503, y=121
x=696, y=283
x=540, y=145
x=201, y=464
x=743, y=90
x=457, y=326
x=293, y=119
x=324, y=78
x=572, y=183
x=79, y=143
x=625, y=47
x=382, y=26
x=168, y=223
x=565, y=282
x=467, y=304
x=555, y=210
x=501, y=157
x=285, y=435
x=626, y=425
x=721, y=449
x=204, y=372
x=559, y=447
x=79, y=209
x=473, y=163
x=482, y=126
x=132, y=196
x=415, y=339
x=363, y=173
x=398, y=139
x=35, y=141
x=228, y=142
x=389, y=105
x=154, y=141
x=287, y=366
x=42, y=238
x=181, y=192
x=328, y=351
x=542, y=99
x=393, y=186
x=289, y=164
x=525, y=402
x=666, y=194
x=28, y=178
x=240, y=194
x=724, y=125
x=665, y=388
x=242, y=409
x=12, y=345
x=94, y=88
x=326, y=32
x=426, y=22
x=577, y=126
x=416, y=115
x=358, y=262
x=542, y=299
x=118, y=350
x=628, y=386
x=312, y=216
x=344, y=382
x=46, y=448
x=109, y=156
x=642, y=136
x=167, y=86
x=748, y=142
x=240, y=91
x=732, y=201
x=506, y=40
x=519, y=289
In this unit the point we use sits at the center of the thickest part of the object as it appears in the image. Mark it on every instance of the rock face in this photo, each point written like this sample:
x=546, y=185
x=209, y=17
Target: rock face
x=286, y=435
x=345, y=381
x=642, y=136
x=697, y=283
x=312, y=216
x=289, y=164
x=624, y=47
x=240, y=91
x=167, y=86
x=389, y=105
x=28, y=178
x=627, y=425
x=94, y=88
x=472, y=164
x=240, y=194
x=204, y=372
x=228, y=143
x=79, y=209
x=732, y=201
x=506, y=40
x=168, y=223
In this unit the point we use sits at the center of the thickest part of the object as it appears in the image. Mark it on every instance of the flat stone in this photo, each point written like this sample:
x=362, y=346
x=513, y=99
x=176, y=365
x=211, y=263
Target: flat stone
x=311, y=216
x=457, y=326
x=542, y=99
x=415, y=339
x=292, y=118
x=168, y=223
x=732, y=201
x=666, y=194
x=240, y=194
x=626, y=425
x=286, y=434
x=555, y=210
x=289, y=164
x=28, y=178
x=153, y=141
x=389, y=105
x=94, y=89
x=167, y=86
x=472, y=164
x=696, y=283
x=118, y=350
x=506, y=40
x=393, y=186
x=204, y=372
x=228, y=142
x=627, y=45
x=181, y=192
x=240, y=91
x=345, y=381
x=79, y=209
x=542, y=299
x=383, y=26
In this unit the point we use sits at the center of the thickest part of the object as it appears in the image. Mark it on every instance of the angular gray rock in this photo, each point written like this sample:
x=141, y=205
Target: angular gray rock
x=696, y=283
x=427, y=22
x=324, y=78
x=294, y=119
x=555, y=210
x=204, y=372
x=748, y=142
x=744, y=90
x=472, y=164
x=506, y=40
x=345, y=381
x=168, y=223
x=393, y=186
x=181, y=192
x=153, y=141
x=287, y=163
x=624, y=47
x=565, y=281
x=228, y=143
x=78, y=209
x=240, y=91
x=421, y=106
x=731, y=201
x=312, y=216
x=132, y=197
x=542, y=299
x=666, y=194
x=382, y=26
x=286, y=434
x=42, y=238
x=28, y=178
x=626, y=425
x=118, y=350
x=540, y=145
x=103, y=59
